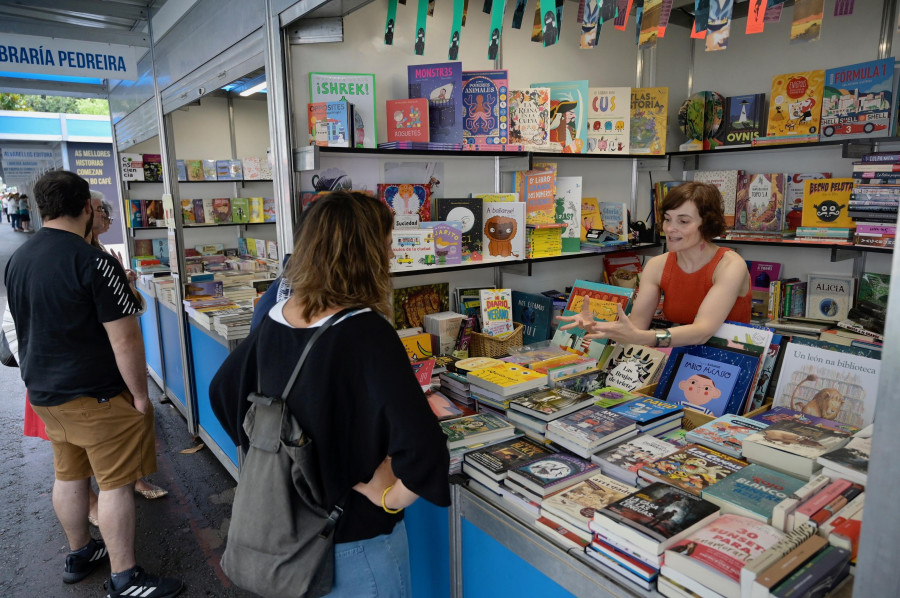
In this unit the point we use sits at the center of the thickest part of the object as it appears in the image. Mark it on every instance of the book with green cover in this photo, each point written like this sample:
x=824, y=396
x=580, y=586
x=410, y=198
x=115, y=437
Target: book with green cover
x=240, y=210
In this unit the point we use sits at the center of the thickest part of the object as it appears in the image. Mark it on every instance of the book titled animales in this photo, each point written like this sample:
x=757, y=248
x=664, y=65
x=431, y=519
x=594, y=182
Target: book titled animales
x=485, y=98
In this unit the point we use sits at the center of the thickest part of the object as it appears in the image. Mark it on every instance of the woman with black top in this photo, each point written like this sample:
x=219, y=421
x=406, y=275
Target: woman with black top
x=377, y=441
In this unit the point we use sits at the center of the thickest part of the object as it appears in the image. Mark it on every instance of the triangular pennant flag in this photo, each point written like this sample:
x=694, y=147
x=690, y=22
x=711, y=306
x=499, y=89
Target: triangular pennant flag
x=497, y=10
x=519, y=14
x=390, y=22
x=756, y=16
x=718, y=25
x=421, y=25
x=456, y=29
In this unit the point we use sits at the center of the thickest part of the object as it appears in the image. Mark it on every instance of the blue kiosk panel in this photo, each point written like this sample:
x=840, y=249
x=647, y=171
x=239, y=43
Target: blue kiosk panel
x=207, y=355
x=150, y=332
x=490, y=569
x=428, y=529
x=171, y=349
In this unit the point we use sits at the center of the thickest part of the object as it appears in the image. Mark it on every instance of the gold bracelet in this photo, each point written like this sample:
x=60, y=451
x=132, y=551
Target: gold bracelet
x=384, y=506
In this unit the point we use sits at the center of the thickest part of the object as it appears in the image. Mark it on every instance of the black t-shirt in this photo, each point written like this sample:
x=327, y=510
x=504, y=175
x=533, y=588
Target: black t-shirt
x=61, y=291
x=356, y=398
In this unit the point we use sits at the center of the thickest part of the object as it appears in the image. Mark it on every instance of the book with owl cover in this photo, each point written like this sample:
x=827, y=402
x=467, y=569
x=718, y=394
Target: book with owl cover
x=504, y=230
x=546, y=475
x=568, y=115
x=726, y=433
x=744, y=119
x=609, y=120
x=468, y=211
x=857, y=100
x=576, y=505
x=630, y=367
x=655, y=517
x=759, y=203
x=726, y=181
x=567, y=210
x=406, y=200
x=791, y=447
x=827, y=384
x=692, y=468
x=649, y=117
x=407, y=120
x=485, y=99
x=529, y=118
x=829, y=296
x=795, y=104
x=535, y=313
x=825, y=203
x=441, y=84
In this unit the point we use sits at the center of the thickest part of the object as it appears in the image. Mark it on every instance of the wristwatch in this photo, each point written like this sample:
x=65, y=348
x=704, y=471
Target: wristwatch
x=663, y=338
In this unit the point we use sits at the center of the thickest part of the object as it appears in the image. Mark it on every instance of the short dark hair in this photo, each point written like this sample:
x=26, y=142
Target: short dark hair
x=709, y=205
x=61, y=193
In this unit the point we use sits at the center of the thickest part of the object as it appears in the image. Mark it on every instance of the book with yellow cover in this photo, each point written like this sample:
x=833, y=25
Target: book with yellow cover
x=507, y=379
x=649, y=116
x=590, y=215
x=544, y=240
x=825, y=203
x=795, y=105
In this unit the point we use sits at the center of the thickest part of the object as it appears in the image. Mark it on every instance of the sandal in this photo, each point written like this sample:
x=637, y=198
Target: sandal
x=153, y=492
x=92, y=519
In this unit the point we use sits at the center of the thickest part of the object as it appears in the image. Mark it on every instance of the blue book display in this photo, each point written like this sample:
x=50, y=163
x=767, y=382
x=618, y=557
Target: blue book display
x=441, y=85
x=647, y=410
x=702, y=384
x=857, y=100
x=535, y=313
x=752, y=492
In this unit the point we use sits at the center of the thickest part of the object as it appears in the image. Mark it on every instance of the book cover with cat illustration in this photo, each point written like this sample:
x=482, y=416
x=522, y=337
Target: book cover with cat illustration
x=828, y=384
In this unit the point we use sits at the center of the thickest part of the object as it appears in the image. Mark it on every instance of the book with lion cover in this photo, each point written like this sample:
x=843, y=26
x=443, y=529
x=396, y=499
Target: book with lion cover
x=828, y=384
x=795, y=104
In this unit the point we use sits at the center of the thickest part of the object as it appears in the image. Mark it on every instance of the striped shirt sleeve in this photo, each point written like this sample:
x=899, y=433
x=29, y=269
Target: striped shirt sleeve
x=113, y=296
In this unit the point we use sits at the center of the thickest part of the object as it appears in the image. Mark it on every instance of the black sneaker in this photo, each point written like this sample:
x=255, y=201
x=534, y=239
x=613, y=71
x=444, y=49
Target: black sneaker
x=146, y=586
x=79, y=567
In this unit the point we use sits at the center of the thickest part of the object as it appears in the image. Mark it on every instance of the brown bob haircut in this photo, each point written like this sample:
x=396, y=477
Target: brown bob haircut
x=342, y=255
x=709, y=204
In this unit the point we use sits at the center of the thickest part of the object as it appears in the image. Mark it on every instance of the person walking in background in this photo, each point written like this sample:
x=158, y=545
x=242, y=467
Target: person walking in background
x=4, y=205
x=13, y=211
x=390, y=449
x=24, y=214
x=86, y=379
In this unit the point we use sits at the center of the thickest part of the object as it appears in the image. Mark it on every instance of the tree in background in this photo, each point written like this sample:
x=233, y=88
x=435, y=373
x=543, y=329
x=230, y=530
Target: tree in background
x=54, y=104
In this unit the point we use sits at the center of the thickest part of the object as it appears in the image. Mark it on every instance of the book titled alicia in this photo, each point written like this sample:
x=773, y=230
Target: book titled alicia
x=829, y=297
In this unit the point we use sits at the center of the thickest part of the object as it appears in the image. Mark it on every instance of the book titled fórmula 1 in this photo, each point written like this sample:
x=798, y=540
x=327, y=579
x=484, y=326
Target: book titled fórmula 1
x=549, y=474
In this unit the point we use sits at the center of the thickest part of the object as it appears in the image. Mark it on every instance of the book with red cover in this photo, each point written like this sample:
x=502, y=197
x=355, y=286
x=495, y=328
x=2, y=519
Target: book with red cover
x=407, y=120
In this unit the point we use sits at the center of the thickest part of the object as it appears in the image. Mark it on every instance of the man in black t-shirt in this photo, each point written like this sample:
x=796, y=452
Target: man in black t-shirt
x=81, y=355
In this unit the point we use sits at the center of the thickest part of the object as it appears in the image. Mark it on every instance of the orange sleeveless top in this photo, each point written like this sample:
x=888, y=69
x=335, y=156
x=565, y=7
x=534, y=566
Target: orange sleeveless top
x=685, y=292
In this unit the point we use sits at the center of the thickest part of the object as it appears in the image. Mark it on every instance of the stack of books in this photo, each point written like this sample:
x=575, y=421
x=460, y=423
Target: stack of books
x=533, y=410
x=590, y=430
x=545, y=475
x=233, y=324
x=490, y=465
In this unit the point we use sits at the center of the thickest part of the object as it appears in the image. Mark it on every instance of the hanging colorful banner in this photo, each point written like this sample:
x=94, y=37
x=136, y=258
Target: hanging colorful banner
x=519, y=14
x=807, y=24
x=624, y=9
x=390, y=22
x=465, y=13
x=549, y=24
x=560, y=4
x=456, y=29
x=497, y=10
x=756, y=16
x=718, y=26
x=421, y=24
x=431, y=8
x=638, y=18
x=609, y=10
x=486, y=8
x=844, y=8
x=664, y=14
x=650, y=23
x=773, y=13
x=701, y=18
x=536, y=29
x=589, y=17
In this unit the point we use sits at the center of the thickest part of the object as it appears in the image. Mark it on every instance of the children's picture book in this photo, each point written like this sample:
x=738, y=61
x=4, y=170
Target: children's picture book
x=357, y=89
x=692, y=468
x=235, y=170
x=485, y=97
x=744, y=119
x=222, y=210
x=496, y=311
x=725, y=433
x=199, y=212
x=210, y=170
x=412, y=304
x=407, y=200
x=412, y=248
x=180, y=170
x=529, y=118
x=537, y=188
x=649, y=119
x=615, y=218
x=507, y=379
x=829, y=296
x=194, y=170
x=469, y=212
x=795, y=104
x=591, y=218
x=543, y=240
x=827, y=384
x=330, y=124
x=240, y=210
x=251, y=168
x=535, y=313
x=630, y=367
x=793, y=192
x=504, y=230
x=602, y=300
x=857, y=100
x=546, y=475
x=726, y=181
x=222, y=170
x=268, y=209
x=759, y=202
x=762, y=274
x=407, y=120
x=609, y=120
x=567, y=210
x=187, y=212
x=568, y=115
x=624, y=460
x=441, y=84
x=825, y=203
x=447, y=241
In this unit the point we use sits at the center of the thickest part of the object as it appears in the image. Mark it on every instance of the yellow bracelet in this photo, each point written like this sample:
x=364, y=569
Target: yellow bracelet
x=384, y=506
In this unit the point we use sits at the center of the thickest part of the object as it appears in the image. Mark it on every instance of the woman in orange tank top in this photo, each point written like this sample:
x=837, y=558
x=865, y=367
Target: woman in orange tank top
x=703, y=284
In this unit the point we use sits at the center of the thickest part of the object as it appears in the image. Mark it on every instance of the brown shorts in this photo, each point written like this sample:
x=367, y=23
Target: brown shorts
x=111, y=440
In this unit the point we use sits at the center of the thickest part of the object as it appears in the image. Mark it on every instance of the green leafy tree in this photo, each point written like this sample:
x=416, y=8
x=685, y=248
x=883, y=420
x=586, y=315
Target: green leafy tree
x=92, y=106
x=54, y=104
x=13, y=101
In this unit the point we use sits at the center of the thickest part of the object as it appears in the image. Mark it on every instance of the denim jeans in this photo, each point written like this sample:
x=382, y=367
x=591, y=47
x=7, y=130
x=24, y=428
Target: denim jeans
x=377, y=567
x=15, y=221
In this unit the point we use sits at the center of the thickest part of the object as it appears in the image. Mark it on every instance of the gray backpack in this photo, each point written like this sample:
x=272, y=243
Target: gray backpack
x=281, y=541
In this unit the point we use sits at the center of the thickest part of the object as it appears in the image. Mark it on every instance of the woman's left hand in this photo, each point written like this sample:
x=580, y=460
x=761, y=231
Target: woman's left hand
x=621, y=330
